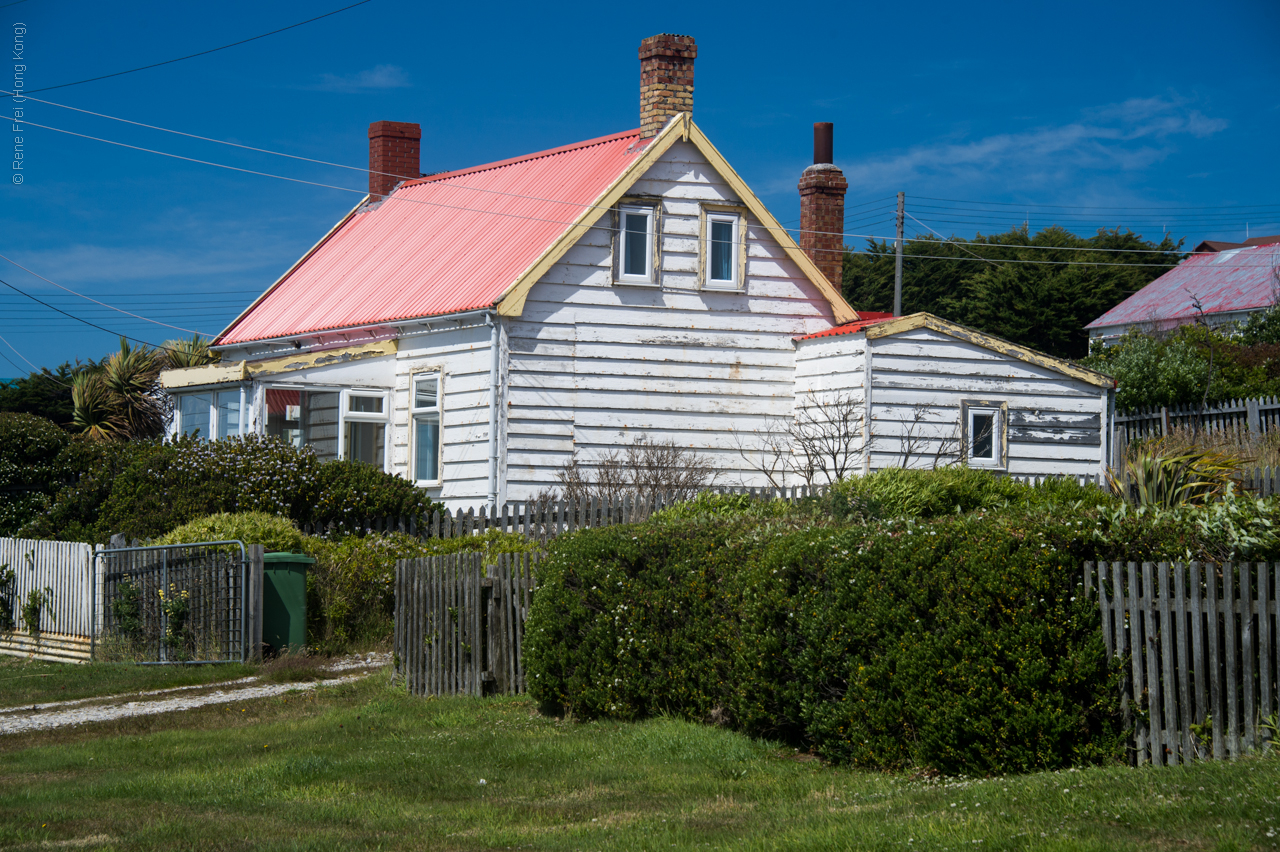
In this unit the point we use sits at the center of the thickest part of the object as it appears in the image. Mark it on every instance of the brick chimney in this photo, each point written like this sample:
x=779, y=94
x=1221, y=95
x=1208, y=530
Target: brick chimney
x=394, y=148
x=666, y=80
x=822, y=188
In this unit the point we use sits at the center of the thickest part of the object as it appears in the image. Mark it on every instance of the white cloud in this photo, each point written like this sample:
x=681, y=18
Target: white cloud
x=378, y=77
x=1127, y=136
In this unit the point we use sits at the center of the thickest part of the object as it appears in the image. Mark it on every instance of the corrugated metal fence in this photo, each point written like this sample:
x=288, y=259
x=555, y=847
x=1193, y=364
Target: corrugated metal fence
x=459, y=624
x=1199, y=643
x=62, y=571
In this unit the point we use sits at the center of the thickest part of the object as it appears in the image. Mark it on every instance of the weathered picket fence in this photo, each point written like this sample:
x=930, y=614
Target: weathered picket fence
x=1259, y=415
x=459, y=624
x=545, y=519
x=1199, y=643
x=60, y=572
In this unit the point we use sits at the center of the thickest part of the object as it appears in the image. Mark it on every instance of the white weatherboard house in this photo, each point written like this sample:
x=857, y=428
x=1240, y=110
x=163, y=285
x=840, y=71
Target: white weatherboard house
x=472, y=330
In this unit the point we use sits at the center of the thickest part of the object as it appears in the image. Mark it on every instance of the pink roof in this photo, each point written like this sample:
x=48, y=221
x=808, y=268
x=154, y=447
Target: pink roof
x=868, y=319
x=1234, y=280
x=446, y=243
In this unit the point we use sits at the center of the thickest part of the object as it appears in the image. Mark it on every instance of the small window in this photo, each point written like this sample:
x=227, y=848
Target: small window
x=426, y=427
x=723, y=243
x=635, y=243
x=984, y=436
x=304, y=418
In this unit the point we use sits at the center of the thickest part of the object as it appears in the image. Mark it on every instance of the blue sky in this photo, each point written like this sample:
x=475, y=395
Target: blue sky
x=1001, y=108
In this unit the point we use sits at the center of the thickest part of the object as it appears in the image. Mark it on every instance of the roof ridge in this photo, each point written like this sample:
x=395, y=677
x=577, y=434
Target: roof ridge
x=484, y=167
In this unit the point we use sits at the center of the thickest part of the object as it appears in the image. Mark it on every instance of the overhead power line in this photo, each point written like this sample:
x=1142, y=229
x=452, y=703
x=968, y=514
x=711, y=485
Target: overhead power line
x=1089, y=207
x=193, y=55
x=95, y=301
x=851, y=219
x=22, y=292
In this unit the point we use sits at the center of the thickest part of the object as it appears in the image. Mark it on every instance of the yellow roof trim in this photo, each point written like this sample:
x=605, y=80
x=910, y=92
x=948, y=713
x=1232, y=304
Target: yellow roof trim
x=511, y=303
x=843, y=311
x=242, y=371
x=987, y=341
x=290, y=270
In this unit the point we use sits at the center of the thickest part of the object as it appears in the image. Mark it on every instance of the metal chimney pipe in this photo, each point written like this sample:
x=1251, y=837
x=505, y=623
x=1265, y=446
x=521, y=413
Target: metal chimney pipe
x=822, y=134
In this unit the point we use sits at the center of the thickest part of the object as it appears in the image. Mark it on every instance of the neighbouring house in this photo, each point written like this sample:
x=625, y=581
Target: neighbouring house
x=1221, y=283
x=473, y=330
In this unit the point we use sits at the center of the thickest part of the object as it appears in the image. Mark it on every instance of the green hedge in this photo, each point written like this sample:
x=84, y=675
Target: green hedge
x=30, y=471
x=964, y=642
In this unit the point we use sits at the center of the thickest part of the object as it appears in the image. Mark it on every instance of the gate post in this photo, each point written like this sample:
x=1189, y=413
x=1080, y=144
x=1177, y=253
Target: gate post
x=253, y=617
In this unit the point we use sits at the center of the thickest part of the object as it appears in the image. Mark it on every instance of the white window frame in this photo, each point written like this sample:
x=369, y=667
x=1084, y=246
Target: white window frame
x=211, y=392
x=736, y=216
x=999, y=411
x=650, y=278
x=414, y=413
x=346, y=415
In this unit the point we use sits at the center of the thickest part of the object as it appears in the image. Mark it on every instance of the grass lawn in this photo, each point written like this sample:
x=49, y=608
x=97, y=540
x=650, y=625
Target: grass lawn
x=26, y=682
x=363, y=766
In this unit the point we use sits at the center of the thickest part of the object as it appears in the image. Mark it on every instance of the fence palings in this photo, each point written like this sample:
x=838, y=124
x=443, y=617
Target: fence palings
x=459, y=624
x=1197, y=647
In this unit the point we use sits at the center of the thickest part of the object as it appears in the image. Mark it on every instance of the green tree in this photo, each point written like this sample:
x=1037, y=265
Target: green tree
x=46, y=393
x=1037, y=290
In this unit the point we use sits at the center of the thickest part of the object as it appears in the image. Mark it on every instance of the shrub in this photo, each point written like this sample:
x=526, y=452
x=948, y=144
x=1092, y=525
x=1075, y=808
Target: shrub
x=350, y=589
x=92, y=468
x=181, y=480
x=273, y=532
x=30, y=471
x=963, y=643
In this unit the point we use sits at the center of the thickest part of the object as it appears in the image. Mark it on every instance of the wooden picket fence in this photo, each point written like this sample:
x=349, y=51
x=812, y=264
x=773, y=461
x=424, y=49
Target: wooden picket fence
x=1258, y=415
x=546, y=519
x=1199, y=643
x=459, y=624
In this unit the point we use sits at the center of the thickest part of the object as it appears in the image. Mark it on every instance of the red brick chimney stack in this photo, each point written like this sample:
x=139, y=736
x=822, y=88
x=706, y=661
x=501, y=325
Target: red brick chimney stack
x=666, y=80
x=394, y=149
x=822, y=189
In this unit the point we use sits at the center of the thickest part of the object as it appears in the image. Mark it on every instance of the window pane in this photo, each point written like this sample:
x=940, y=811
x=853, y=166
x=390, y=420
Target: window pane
x=364, y=404
x=721, y=251
x=636, y=245
x=984, y=444
x=284, y=415
x=426, y=447
x=228, y=404
x=320, y=423
x=365, y=442
x=425, y=392
x=195, y=414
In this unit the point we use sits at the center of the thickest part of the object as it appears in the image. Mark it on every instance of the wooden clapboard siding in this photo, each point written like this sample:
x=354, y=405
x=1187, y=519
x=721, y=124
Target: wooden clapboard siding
x=594, y=365
x=463, y=357
x=1054, y=422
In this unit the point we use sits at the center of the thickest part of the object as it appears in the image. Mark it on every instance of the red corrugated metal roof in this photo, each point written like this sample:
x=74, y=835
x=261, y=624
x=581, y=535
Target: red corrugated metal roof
x=868, y=318
x=1235, y=280
x=447, y=243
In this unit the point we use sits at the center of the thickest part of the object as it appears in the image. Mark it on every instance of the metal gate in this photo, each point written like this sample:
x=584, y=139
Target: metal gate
x=186, y=603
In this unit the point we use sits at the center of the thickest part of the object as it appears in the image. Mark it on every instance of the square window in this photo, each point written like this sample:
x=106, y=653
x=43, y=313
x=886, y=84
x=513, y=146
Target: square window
x=426, y=427
x=635, y=244
x=365, y=441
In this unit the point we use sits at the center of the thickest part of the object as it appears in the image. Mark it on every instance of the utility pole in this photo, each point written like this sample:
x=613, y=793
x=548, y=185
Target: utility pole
x=897, y=263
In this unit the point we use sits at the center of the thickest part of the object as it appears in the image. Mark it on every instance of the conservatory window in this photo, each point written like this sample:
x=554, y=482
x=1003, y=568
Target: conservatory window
x=227, y=412
x=364, y=427
x=635, y=244
x=304, y=418
x=193, y=414
x=426, y=427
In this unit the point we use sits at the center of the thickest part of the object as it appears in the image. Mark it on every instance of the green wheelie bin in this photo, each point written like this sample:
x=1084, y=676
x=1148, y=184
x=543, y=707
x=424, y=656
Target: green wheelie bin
x=284, y=602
